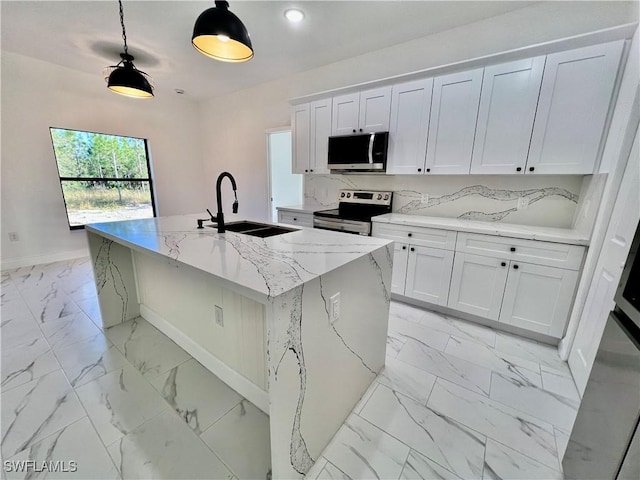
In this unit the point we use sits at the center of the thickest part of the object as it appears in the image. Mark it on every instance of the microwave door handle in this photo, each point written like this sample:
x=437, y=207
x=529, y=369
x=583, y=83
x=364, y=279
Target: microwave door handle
x=371, y=139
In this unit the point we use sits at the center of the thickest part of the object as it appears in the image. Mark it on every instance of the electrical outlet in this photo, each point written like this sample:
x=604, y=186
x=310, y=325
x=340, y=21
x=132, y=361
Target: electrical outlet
x=335, y=307
x=424, y=198
x=13, y=236
x=219, y=317
x=523, y=203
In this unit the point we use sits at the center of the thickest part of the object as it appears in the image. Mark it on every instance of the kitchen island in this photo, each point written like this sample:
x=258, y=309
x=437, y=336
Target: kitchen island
x=296, y=323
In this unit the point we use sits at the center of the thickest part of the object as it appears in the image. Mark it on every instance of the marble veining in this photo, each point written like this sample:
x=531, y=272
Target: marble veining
x=107, y=272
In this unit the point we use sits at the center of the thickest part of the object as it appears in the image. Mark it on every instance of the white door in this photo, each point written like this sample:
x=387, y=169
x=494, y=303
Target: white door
x=285, y=188
x=538, y=298
x=300, y=124
x=452, y=126
x=344, y=114
x=429, y=274
x=505, y=119
x=615, y=249
x=410, y=108
x=574, y=101
x=319, y=133
x=375, y=108
x=477, y=284
x=399, y=274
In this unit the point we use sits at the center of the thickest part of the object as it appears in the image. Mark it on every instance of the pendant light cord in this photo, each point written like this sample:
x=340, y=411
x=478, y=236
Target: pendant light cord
x=124, y=32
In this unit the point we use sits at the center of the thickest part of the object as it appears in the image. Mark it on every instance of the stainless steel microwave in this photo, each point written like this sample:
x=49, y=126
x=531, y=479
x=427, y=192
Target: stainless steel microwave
x=359, y=153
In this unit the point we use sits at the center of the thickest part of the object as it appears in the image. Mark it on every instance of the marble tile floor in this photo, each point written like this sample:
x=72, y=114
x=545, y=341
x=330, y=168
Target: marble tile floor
x=455, y=400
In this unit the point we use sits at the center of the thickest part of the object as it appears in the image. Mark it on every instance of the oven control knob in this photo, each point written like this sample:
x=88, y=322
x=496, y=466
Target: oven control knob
x=379, y=196
x=342, y=195
x=386, y=196
x=348, y=195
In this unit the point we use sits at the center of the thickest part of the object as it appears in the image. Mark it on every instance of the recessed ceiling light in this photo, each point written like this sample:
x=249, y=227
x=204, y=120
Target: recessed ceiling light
x=294, y=15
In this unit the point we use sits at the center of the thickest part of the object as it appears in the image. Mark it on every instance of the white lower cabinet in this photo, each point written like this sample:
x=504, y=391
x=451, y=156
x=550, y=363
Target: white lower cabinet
x=428, y=274
x=538, y=298
x=477, y=285
x=295, y=218
x=399, y=274
x=485, y=275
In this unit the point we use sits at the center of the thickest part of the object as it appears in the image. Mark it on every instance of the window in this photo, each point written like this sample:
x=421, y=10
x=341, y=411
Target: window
x=103, y=177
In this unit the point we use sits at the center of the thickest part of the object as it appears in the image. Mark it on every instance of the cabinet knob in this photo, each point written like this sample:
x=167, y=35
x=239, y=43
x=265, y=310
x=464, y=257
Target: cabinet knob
x=513, y=249
x=515, y=267
x=311, y=170
x=354, y=130
x=404, y=247
x=518, y=169
x=503, y=264
x=295, y=219
x=361, y=130
x=305, y=170
x=428, y=170
x=413, y=249
x=531, y=169
x=419, y=169
x=409, y=234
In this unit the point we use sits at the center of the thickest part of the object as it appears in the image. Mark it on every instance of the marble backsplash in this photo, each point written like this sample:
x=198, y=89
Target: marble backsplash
x=551, y=200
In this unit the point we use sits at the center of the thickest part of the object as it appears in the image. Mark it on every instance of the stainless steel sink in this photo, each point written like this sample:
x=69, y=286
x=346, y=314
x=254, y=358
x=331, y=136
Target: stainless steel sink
x=255, y=229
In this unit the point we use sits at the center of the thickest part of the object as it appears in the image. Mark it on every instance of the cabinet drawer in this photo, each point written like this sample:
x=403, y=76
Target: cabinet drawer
x=300, y=219
x=531, y=251
x=420, y=236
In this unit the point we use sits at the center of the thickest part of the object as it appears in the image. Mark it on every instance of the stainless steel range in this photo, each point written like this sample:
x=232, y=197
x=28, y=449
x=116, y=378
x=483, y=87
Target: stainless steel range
x=354, y=212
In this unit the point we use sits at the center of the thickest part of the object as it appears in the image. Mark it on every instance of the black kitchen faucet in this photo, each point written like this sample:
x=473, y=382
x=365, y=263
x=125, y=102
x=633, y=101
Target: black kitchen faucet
x=219, y=218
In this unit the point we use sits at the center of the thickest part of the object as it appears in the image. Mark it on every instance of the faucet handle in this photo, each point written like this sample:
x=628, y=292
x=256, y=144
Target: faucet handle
x=213, y=219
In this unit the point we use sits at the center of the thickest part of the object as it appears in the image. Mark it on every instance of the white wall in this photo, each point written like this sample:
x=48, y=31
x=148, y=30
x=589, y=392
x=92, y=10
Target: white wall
x=37, y=95
x=233, y=125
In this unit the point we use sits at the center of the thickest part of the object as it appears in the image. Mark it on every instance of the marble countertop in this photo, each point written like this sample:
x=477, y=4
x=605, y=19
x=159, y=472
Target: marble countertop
x=548, y=234
x=260, y=268
x=305, y=208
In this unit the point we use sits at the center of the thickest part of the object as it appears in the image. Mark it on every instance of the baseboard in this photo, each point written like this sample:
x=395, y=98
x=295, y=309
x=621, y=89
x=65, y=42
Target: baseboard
x=42, y=259
x=240, y=384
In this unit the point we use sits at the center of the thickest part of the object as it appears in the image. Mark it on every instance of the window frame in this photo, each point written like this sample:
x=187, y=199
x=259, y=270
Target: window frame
x=107, y=179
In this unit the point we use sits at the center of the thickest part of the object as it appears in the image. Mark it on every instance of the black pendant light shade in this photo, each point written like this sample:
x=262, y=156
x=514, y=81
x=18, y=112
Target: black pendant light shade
x=219, y=34
x=124, y=78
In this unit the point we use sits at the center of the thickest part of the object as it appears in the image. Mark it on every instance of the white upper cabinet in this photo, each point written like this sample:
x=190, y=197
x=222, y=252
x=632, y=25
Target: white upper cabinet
x=320, y=130
x=505, y=118
x=410, y=108
x=345, y=114
x=375, y=106
x=452, y=125
x=572, y=109
x=363, y=112
x=300, y=127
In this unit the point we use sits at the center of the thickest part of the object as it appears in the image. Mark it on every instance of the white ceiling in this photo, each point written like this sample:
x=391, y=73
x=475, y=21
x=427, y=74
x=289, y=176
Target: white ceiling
x=86, y=35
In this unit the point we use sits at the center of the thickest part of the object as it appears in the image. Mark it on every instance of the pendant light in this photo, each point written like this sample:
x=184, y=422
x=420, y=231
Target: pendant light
x=124, y=78
x=219, y=34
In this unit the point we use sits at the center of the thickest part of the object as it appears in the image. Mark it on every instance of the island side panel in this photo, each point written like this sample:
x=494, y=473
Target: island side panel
x=318, y=371
x=113, y=273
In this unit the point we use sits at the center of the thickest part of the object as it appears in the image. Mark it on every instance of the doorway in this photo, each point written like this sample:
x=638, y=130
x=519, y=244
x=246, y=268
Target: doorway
x=285, y=188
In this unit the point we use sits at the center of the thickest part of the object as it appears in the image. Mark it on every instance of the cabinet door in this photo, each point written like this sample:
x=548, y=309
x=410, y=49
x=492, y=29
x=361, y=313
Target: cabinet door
x=399, y=274
x=300, y=124
x=538, y=298
x=375, y=108
x=505, y=119
x=572, y=110
x=429, y=274
x=454, y=110
x=344, y=115
x=477, y=285
x=410, y=108
x=319, y=133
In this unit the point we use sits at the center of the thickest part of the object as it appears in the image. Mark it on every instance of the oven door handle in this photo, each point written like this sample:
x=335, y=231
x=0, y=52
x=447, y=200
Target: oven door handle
x=371, y=139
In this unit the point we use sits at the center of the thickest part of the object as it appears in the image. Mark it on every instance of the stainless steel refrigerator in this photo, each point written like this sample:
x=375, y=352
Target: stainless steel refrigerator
x=605, y=440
